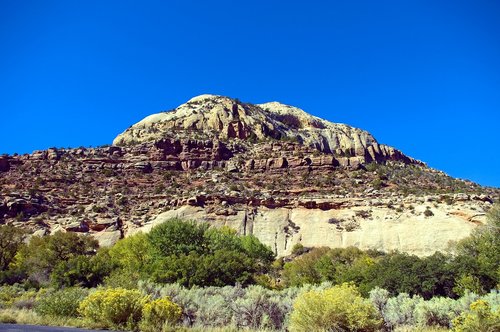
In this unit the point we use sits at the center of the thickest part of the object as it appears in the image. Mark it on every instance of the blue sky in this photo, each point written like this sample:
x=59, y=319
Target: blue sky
x=423, y=76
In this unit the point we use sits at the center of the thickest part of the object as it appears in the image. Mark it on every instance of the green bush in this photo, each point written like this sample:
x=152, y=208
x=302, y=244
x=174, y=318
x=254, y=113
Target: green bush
x=340, y=308
x=477, y=256
x=481, y=318
x=11, y=240
x=159, y=313
x=44, y=254
x=191, y=253
x=8, y=294
x=114, y=307
x=177, y=237
x=64, y=302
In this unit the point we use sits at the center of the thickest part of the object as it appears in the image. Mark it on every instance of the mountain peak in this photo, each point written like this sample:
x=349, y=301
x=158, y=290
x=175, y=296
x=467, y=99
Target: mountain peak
x=218, y=117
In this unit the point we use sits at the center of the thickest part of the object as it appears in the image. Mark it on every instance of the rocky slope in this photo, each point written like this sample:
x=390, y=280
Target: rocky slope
x=271, y=170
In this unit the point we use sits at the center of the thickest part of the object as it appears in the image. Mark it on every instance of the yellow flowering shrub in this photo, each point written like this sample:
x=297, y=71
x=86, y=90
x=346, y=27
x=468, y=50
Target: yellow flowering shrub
x=480, y=318
x=159, y=312
x=340, y=308
x=114, y=307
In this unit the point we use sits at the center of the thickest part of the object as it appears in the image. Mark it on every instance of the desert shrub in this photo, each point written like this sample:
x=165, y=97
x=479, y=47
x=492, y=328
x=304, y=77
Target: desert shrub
x=114, y=307
x=438, y=311
x=64, y=302
x=230, y=307
x=379, y=298
x=340, y=308
x=159, y=313
x=8, y=294
x=120, y=278
x=400, y=310
x=260, y=308
x=481, y=318
x=298, y=249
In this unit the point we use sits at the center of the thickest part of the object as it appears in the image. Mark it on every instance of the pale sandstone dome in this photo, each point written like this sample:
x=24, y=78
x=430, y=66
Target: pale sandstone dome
x=223, y=117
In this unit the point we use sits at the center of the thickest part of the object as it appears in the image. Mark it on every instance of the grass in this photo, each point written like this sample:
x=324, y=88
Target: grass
x=24, y=316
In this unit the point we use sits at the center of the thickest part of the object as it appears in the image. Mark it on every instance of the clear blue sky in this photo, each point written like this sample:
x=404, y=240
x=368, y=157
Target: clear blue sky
x=423, y=76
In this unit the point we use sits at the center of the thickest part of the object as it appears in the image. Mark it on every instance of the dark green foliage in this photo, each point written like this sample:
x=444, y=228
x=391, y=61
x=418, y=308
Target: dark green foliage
x=396, y=272
x=323, y=264
x=11, y=240
x=191, y=253
x=257, y=251
x=176, y=237
x=82, y=270
x=403, y=273
x=478, y=256
x=222, y=267
x=45, y=254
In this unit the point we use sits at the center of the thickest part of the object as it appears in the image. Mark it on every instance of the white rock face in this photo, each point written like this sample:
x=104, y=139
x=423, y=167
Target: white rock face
x=223, y=117
x=325, y=135
x=381, y=228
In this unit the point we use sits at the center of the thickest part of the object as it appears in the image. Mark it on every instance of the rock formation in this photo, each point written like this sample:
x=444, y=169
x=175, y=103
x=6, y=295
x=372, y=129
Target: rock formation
x=271, y=170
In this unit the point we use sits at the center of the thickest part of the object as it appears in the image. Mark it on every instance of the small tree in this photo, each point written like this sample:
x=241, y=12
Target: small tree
x=11, y=240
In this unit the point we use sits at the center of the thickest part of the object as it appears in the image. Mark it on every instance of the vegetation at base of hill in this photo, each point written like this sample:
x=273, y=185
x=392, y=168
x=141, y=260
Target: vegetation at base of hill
x=167, y=307
x=185, y=274
x=185, y=252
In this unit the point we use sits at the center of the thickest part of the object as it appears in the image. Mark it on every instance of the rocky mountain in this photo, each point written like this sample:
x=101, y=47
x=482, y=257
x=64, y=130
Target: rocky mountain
x=271, y=170
x=211, y=117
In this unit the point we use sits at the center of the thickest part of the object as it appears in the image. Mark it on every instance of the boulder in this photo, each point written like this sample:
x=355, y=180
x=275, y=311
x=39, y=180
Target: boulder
x=107, y=239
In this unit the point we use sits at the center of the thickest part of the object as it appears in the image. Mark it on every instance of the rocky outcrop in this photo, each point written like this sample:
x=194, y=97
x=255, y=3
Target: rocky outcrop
x=223, y=118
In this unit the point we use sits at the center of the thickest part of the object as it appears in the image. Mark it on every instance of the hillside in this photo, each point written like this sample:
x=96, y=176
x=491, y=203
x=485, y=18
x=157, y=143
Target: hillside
x=271, y=170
